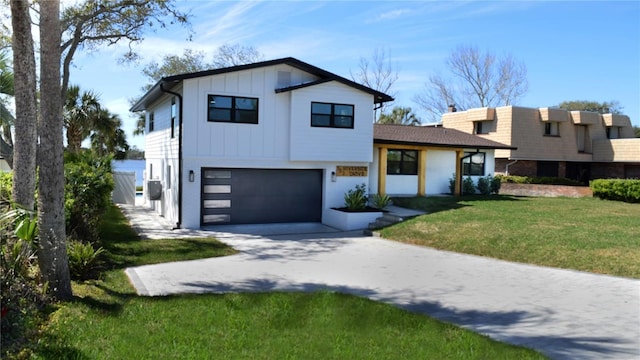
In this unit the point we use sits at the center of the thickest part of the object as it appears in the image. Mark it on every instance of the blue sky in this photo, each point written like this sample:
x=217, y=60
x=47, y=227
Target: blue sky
x=572, y=50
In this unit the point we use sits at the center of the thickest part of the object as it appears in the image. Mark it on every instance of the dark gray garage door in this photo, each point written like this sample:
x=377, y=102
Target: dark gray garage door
x=260, y=196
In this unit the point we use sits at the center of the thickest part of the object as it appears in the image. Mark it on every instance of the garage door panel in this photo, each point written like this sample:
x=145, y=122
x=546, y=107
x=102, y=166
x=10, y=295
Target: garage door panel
x=261, y=195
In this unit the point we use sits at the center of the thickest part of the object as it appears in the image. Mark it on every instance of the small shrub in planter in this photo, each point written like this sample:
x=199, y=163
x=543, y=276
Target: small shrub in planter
x=356, y=198
x=381, y=201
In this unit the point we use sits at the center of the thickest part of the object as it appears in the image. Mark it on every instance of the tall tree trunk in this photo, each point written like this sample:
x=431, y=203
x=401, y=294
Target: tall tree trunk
x=52, y=254
x=24, y=72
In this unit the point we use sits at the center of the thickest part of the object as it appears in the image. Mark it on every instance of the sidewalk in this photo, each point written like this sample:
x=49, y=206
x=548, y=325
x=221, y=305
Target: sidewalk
x=562, y=313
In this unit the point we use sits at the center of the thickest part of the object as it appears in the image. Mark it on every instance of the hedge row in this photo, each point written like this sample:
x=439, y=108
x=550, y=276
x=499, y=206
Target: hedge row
x=616, y=189
x=538, y=180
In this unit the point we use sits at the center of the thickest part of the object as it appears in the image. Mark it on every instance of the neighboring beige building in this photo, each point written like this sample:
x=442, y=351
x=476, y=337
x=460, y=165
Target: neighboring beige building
x=578, y=145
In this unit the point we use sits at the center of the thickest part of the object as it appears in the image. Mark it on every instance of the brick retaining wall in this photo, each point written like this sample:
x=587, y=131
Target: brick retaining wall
x=544, y=190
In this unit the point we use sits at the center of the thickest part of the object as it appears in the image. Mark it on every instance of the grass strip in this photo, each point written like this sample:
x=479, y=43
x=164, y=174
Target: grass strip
x=584, y=234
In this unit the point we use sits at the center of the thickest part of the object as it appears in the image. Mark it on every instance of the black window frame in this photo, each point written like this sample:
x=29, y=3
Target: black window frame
x=467, y=162
x=406, y=165
x=332, y=116
x=480, y=127
x=174, y=116
x=236, y=114
x=549, y=126
x=151, y=121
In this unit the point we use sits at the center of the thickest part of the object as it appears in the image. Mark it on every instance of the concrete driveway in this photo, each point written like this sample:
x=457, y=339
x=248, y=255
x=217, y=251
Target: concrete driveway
x=564, y=314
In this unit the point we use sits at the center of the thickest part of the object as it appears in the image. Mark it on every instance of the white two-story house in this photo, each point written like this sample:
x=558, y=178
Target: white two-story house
x=274, y=141
x=283, y=141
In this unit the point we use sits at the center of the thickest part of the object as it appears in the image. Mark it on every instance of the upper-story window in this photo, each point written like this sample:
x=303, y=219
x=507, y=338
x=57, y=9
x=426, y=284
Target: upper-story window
x=551, y=128
x=402, y=162
x=174, y=116
x=613, y=132
x=331, y=115
x=233, y=109
x=151, y=121
x=481, y=127
x=473, y=164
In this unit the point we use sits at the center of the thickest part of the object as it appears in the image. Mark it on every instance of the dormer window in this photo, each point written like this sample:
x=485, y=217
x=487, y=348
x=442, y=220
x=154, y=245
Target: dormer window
x=551, y=128
x=613, y=132
x=481, y=127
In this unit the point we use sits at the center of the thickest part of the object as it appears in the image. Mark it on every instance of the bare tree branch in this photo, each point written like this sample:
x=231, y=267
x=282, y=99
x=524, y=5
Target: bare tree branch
x=478, y=80
x=378, y=73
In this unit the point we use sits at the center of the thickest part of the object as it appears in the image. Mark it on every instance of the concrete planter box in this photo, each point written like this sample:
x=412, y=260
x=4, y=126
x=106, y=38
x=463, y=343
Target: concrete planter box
x=545, y=190
x=349, y=220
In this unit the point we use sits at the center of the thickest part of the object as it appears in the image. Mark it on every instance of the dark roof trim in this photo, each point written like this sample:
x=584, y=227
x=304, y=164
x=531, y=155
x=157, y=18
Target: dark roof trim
x=303, y=85
x=154, y=92
x=451, y=146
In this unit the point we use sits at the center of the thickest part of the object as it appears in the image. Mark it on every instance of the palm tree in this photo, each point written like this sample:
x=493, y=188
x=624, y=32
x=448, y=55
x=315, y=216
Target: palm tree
x=6, y=118
x=107, y=136
x=399, y=116
x=80, y=113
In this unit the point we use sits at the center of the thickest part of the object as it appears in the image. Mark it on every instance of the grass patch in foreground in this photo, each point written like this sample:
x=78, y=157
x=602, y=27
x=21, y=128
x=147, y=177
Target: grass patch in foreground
x=125, y=248
x=584, y=234
x=109, y=321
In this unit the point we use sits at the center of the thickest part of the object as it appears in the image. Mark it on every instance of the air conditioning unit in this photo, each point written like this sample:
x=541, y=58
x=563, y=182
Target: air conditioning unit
x=154, y=189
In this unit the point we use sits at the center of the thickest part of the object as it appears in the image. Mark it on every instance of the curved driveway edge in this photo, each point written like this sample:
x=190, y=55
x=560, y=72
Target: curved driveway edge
x=562, y=313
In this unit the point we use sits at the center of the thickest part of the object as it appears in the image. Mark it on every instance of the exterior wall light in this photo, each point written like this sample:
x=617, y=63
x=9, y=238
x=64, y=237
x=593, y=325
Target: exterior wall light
x=334, y=178
x=192, y=176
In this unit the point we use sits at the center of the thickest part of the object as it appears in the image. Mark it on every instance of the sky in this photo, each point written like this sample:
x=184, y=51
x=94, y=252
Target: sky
x=573, y=50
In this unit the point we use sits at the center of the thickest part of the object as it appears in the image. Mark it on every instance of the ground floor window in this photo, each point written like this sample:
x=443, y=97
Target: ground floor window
x=473, y=164
x=402, y=162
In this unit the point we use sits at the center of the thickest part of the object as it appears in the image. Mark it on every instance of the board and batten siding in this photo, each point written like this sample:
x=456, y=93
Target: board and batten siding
x=161, y=154
x=309, y=143
x=268, y=140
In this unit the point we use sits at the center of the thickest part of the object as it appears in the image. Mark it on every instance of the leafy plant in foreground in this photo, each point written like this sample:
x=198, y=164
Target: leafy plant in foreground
x=356, y=199
x=83, y=259
x=381, y=201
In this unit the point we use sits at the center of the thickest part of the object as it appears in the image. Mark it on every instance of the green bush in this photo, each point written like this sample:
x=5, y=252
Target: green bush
x=6, y=183
x=88, y=188
x=452, y=184
x=484, y=185
x=544, y=180
x=381, y=201
x=83, y=259
x=616, y=189
x=21, y=296
x=356, y=199
x=468, y=187
x=495, y=184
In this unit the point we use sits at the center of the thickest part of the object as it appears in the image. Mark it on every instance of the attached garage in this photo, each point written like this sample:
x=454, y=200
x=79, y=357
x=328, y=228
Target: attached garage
x=260, y=196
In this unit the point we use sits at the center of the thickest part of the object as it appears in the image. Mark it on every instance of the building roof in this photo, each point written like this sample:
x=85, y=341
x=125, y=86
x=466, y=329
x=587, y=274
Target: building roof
x=431, y=136
x=166, y=83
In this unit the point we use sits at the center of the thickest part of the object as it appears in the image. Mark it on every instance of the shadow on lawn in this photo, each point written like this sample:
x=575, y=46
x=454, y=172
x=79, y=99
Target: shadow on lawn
x=505, y=326
x=433, y=204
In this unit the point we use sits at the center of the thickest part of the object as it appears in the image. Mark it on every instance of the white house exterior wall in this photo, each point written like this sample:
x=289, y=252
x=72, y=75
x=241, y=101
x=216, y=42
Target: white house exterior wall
x=440, y=168
x=282, y=139
x=161, y=153
x=331, y=144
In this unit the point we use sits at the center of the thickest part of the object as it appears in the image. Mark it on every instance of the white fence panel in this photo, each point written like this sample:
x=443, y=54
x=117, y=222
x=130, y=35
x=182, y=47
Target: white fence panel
x=124, y=191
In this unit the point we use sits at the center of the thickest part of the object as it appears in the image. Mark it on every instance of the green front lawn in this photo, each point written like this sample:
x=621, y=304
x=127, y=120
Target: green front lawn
x=109, y=321
x=584, y=234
